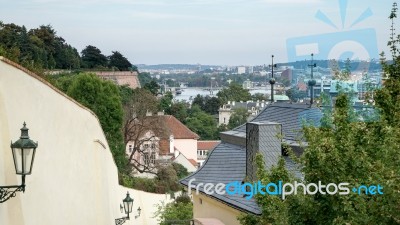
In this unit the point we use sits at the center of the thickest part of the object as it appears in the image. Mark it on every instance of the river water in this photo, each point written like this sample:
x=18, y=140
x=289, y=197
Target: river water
x=189, y=93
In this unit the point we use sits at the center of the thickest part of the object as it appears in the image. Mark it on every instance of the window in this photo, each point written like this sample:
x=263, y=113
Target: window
x=130, y=148
x=153, y=158
x=146, y=158
x=153, y=146
x=146, y=146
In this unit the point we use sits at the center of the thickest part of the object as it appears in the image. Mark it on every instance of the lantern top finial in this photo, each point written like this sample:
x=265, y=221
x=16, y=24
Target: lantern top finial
x=24, y=132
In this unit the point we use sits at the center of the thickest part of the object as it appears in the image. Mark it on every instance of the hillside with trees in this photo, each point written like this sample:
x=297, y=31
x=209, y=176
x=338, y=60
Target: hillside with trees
x=41, y=49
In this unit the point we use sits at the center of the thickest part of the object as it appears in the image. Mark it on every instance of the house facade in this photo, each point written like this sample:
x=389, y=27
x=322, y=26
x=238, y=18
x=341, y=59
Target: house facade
x=204, y=148
x=165, y=147
x=225, y=112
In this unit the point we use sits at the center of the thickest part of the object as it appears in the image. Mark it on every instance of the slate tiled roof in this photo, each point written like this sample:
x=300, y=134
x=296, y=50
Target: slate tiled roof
x=225, y=164
x=291, y=116
x=207, y=145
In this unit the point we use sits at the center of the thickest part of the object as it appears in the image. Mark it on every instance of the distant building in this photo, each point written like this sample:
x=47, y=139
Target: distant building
x=248, y=84
x=250, y=70
x=226, y=110
x=241, y=69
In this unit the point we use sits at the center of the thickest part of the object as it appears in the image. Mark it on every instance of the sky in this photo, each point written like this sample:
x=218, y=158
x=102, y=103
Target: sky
x=213, y=32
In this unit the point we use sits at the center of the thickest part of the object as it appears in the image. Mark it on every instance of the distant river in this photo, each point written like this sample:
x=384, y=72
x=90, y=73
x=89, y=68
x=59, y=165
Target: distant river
x=190, y=93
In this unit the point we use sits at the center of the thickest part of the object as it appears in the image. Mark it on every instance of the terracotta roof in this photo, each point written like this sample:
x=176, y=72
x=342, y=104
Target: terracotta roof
x=207, y=145
x=177, y=129
x=302, y=86
x=193, y=162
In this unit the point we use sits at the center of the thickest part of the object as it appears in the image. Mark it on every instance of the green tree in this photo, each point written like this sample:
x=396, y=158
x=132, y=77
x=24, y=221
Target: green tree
x=202, y=124
x=179, y=110
x=152, y=86
x=166, y=102
x=199, y=101
x=175, y=213
x=103, y=98
x=93, y=58
x=234, y=92
x=211, y=105
x=119, y=61
x=144, y=78
x=238, y=117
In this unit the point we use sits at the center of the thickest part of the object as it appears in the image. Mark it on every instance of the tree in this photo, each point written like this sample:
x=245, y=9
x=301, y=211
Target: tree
x=178, y=212
x=144, y=78
x=202, y=124
x=199, y=101
x=166, y=102
x=139, y=127
x=238, y=117
x=179, y=110
x=103, y=98
x=119, y=61
x=152, y=86
x=234, y=92
x=295, y=94
x=211, y=105
x=93, y=58
x=260, y=97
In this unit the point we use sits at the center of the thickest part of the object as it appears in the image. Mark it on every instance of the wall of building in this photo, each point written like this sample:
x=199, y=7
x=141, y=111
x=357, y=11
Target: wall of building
x=74, y=178
x=184, y=162
x=205, y=207
x=224, y=116
x=188, y=147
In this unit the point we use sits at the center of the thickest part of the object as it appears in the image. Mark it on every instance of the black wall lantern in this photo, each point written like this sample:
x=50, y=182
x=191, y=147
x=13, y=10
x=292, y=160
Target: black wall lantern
x=23, y=152
x=127, y=207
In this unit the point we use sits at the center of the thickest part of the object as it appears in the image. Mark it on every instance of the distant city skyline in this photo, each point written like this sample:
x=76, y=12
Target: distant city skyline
x=213, y=32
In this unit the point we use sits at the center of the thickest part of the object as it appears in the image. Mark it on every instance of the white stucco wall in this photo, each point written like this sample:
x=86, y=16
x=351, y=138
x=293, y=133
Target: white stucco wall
x=188, y=147
x=74, y=178
x=185, y=162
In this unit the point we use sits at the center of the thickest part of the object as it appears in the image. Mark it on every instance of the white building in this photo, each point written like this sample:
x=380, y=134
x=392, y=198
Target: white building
x=241, y=69
x=226, y=110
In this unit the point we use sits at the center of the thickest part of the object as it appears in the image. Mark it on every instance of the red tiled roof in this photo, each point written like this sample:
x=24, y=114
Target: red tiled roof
x=178, y=129
x=193, y=162
x=302, y=86
x=207, y=145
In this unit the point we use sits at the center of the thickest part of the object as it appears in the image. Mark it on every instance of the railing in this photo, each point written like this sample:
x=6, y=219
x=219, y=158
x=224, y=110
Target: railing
x=201, y=157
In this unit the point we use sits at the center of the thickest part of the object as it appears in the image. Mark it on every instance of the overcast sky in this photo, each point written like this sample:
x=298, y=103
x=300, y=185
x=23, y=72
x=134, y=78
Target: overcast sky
x=218, y=32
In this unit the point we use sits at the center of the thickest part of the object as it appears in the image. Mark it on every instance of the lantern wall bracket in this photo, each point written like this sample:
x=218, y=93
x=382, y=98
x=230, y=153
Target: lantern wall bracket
x=120, y=221
x=7, y=192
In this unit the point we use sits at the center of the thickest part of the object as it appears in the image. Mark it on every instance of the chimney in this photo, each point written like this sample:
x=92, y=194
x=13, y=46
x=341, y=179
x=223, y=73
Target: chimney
x=263, y=138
